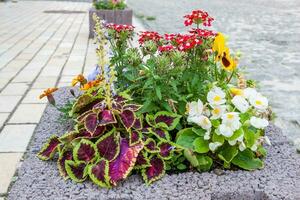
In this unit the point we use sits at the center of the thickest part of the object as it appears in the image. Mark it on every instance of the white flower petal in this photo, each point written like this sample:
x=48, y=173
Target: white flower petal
x=240, y=103
x=242, y=146
x=232, y=142
x=225, y=130
x=259, y=122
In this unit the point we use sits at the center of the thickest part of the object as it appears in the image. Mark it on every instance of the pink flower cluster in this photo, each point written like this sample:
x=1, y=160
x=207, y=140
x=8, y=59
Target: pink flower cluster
x=120, y=27
x=149, y=35
x=198, y=17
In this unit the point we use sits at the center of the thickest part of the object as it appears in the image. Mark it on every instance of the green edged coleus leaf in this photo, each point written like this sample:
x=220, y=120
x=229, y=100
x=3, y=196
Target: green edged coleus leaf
x=81, y=117
x=142, y=161
x=70, y=136
x=108, y=145
x=227, y=153
x=81, y=102
x=246, y=160
x=166, y=120
x=98, y=173
x=150, y=146
x=98, y=107
x=49, y=148
x=186, y=137
x=134, y=137
x=155, y=171
x=165, y=150
x=91, y=122
x=77, y=171
x=65, y=154
x=120, y=167
x=85, y=151
x=150, y=120
x=127, y=118
x=106, y=117
x=138, y=125
x=160, y=133
x=201, y=145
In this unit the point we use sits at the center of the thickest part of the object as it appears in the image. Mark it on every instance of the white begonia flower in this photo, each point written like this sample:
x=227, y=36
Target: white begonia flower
x=217, y=112
x=225, y=130
x=240, y=103
x=250, y=92
x=204, y=122
x=232, y=120
x=267, y=140
x=216, y=97
x=195, y=108
x=259, y=122
x=259, y=102
x=214, y=145
x=239, y=139
x=242, y=146
x=207, y=135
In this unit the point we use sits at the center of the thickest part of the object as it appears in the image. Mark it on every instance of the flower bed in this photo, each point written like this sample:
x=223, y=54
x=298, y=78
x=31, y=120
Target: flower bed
x=177, y=103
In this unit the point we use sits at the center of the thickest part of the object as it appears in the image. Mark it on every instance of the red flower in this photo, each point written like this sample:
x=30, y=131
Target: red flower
x=170, y=37
x=149, y=35
x=188, y=41
x=166, y=48
x=120, y=27
x=198, y=17
x=202, y=32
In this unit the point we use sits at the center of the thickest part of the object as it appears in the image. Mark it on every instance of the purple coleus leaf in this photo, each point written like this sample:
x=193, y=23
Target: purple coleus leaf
x=49, y=149
x=150, y=146
x=123, y=164
x=81, y=117
x=90, y=122
x=65, y=154
x=99, y=131
x=138, y=124
x=77, y=171
x=98, y=173
x=117, y=106
x=166, y=120
x=70, y=136
x=85, y=151
x=108, y=145
x=134, y=137
x=155, y=171
x=120, y=99
x=99, y=106
x=81, y=102
x=142, y=161
x=160, y=133
x=106, y=117
x=132, y=107
x=165, y=150
x=127, y=118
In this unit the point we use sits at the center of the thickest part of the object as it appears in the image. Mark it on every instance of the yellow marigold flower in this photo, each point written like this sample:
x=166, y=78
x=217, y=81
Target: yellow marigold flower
x=48, y=92
x=90, y=85
x=79, y=79
x=236, y=91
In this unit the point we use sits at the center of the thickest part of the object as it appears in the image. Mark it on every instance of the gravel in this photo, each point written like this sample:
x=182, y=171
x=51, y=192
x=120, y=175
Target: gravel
x=280, y=179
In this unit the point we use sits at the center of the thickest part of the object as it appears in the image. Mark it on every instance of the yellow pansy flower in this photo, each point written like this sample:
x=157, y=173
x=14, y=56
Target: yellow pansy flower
x=219, y=46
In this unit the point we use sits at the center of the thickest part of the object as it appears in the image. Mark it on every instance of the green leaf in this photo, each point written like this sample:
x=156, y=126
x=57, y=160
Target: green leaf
x=181, y=166
x=227, y=153
x=215, y=123
x=201, y=145
x=237, y=134
x=205, y=163
x=250, y=137
x=217, y=138
x=158, y=92
x=199, y=131
x=246, y=160
x=262, y=151
x=191, y=157
x=186, y=137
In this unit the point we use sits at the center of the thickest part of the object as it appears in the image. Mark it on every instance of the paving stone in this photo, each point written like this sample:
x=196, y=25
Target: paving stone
x=33, y=97
x=15, y=138
x=3, y=117
x=43, y=82
x=8, y=103
x=9, y=163
x=15, y=89
x=28, y=113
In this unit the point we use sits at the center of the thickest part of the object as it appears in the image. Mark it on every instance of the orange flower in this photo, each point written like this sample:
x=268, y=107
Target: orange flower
x=90, y=85
x=79, y=79
x=48, y=92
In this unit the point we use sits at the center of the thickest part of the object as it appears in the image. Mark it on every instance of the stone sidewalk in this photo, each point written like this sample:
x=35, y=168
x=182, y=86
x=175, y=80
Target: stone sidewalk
x=39, y=49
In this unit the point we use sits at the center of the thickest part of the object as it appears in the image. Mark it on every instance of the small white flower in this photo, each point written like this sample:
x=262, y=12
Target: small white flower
x=259, y=102
x=216, y=97
x=214, y=145
x=217, y=112
x=225, y=130
x=259, y=122
x=241, y=138
x=250, y=92
x=207, y=135
x=232, y=120
x=242, y=146
x=232, y=142
x=195, y=108
x=267, y=140
x=204, y=122
x=240, y=103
